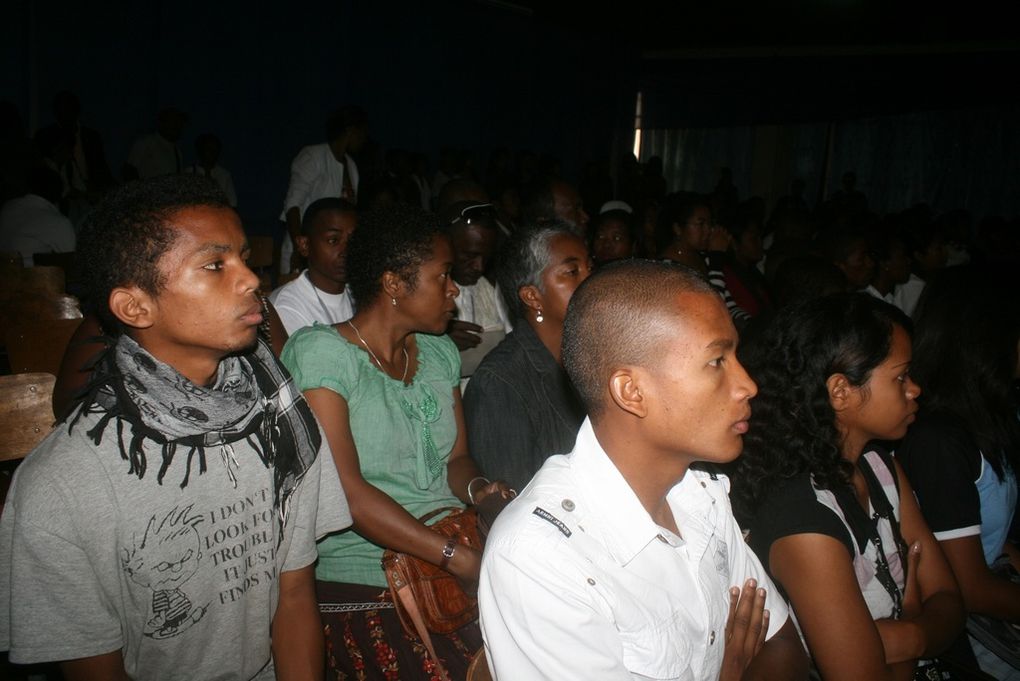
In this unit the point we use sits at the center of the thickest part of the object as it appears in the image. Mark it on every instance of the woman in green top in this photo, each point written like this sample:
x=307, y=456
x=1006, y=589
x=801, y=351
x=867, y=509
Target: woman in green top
x=384, y=386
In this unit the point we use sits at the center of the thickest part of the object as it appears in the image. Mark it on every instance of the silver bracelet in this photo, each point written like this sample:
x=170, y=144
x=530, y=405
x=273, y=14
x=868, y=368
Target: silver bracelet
x=470, y=494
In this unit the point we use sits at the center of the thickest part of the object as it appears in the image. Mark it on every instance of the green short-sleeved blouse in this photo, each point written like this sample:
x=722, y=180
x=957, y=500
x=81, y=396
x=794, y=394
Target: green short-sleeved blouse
x=404, y=433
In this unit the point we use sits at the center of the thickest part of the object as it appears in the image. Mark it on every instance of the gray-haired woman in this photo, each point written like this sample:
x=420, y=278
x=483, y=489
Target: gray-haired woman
x=519, y=406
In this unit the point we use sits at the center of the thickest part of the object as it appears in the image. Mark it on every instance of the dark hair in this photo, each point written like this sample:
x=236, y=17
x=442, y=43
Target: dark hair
x=965, y=357
x=523, y=259
x=613, y=319
x=124, y=238
x=793, y=427
x=330, y=203
x=799, y=278
x=344, y=118
x=676, y=209
x=396, y=239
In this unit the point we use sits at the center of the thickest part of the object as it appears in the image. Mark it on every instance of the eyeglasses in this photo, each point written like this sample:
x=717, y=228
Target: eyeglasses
x=473, y=214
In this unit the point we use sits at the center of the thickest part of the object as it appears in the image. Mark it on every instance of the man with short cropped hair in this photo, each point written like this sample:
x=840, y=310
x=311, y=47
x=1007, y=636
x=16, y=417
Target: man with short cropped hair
x=320, y=293
x=619, y=560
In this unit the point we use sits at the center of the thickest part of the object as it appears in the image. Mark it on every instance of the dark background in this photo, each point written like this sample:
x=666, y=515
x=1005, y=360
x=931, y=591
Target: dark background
x=548, y=77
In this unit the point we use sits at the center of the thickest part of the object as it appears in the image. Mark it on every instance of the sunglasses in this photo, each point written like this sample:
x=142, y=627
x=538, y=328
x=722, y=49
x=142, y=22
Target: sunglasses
x=479, y=212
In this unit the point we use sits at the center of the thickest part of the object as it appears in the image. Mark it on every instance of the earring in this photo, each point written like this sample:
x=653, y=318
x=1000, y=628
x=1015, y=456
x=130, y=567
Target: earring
x=394, y=300
x=539, y=318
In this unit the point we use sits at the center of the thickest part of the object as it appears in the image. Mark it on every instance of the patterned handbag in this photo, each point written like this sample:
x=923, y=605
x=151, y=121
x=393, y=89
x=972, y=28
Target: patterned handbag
x=428, y=598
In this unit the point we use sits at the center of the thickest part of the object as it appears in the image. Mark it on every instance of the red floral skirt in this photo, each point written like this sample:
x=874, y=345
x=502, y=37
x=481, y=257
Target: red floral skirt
x=364, y=638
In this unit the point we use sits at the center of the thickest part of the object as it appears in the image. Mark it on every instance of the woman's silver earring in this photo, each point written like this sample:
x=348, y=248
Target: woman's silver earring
x=539, y=318
x=394, y=300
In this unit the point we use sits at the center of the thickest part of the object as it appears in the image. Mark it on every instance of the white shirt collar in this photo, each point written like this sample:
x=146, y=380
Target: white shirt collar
x=621, y=518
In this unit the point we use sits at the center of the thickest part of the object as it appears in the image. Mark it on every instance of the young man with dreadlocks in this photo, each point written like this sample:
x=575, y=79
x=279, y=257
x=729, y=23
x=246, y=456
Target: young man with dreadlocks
x=166, y=529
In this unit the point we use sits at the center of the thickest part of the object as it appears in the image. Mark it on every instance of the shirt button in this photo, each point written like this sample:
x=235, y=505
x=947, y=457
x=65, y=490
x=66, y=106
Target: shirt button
x=711, y=639
x=703, y=484
x=591, y=581
x=568, y=505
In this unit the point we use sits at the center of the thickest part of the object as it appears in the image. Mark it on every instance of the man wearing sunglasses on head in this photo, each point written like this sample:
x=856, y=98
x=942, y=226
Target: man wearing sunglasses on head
x=481, y=321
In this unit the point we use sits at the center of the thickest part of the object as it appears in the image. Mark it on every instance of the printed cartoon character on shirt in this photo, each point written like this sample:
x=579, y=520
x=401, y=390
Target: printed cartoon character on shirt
x=167, y=556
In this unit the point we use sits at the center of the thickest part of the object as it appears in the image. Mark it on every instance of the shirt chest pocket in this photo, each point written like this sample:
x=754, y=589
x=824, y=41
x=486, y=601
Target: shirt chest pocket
x=656, y=649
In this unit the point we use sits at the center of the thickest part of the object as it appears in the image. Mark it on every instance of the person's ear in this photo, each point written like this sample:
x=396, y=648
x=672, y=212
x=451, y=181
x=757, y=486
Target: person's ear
x=677, y=229
x=393, y=286
x=301, y=243
x=133, y=307
x=531, y=296
x=626, y=390
x=840, y=392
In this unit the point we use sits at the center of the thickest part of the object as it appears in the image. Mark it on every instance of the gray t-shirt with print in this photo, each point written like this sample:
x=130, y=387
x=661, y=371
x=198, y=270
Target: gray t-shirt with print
x=184, y=580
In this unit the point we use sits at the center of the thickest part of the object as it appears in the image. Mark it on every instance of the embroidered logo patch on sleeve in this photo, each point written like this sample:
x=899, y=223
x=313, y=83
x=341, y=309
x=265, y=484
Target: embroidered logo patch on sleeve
x=550, y=518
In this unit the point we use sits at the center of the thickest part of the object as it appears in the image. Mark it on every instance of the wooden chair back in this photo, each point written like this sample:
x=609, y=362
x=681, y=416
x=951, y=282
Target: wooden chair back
x=26, y=413
x=11, y=263
x=47, y=279
x=478, y=670
x=38, y=345
x=67, y=261
x=37, y=306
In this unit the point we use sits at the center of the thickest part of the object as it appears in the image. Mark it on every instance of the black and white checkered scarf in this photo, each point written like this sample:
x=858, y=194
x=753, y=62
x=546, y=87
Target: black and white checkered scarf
x=156, y=409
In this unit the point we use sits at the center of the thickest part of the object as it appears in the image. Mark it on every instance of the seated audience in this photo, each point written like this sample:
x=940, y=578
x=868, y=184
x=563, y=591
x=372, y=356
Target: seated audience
x=33, y=223
x=519, y=406
x=831, y=514
x=963, y=452
x=320, y=293
x=166, y=529
x=208, y=148
x=385, y=387
x=482, y=321
x=620, y=560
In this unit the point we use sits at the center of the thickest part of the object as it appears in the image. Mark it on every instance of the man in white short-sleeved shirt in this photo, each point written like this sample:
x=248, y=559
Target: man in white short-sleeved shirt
x=320, y=293
x=618, y=561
